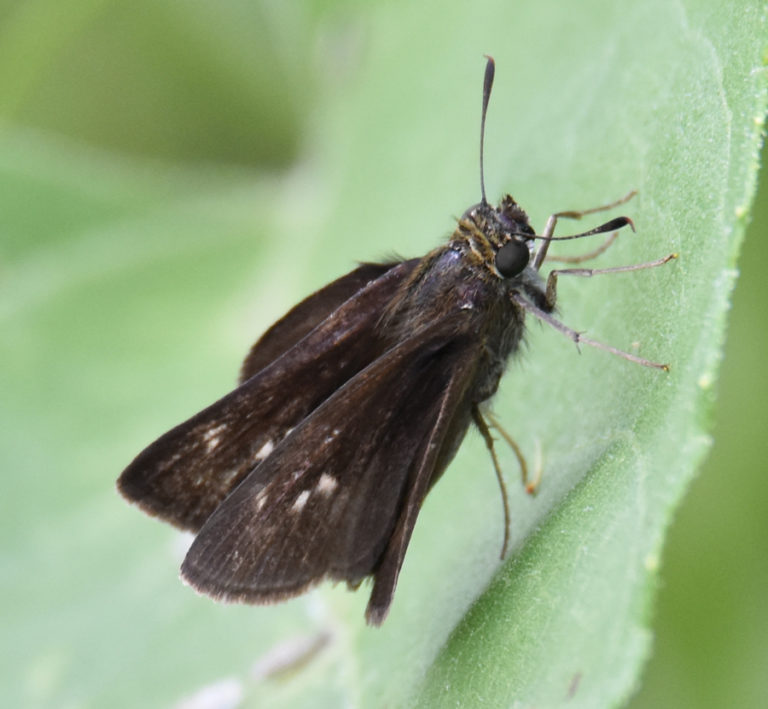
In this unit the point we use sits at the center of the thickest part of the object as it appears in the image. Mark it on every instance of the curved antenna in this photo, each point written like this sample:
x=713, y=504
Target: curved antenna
x=613, y=225
x=490, y=69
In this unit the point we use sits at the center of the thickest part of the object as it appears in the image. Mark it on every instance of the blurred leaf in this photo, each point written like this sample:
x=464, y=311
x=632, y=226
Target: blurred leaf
x=128, y=293
x=189, y=81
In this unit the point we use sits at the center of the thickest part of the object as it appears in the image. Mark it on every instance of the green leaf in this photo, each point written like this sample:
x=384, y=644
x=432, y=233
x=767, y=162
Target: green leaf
x=709, y=625
x=130, y=289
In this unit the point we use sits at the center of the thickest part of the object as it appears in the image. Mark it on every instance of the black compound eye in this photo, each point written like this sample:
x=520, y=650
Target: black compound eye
x=512, y=258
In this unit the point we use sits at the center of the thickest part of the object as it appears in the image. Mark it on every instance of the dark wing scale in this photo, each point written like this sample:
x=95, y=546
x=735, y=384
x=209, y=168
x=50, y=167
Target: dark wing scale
x=264, y=543
x=185, y=474
x=304, y=317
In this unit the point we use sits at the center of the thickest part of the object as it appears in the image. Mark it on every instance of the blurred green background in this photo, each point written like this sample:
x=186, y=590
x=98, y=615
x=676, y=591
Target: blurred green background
x=172, y=120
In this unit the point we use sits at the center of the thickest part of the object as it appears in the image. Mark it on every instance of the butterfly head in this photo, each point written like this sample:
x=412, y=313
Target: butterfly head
x=505, y=231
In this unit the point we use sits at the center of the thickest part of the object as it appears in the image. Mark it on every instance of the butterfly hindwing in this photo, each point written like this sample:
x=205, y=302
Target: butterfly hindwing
x=185, y=474
x=304, y=317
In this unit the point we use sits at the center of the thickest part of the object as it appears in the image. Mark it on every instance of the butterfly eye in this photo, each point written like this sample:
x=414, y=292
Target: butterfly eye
x=512, y=258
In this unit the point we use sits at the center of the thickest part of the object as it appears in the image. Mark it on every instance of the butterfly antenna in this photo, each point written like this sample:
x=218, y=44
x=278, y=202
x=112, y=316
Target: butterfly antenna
x=490, y=69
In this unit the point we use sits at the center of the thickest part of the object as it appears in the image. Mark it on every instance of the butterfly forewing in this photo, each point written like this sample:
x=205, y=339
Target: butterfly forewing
x=299, y=518
x=188, y=472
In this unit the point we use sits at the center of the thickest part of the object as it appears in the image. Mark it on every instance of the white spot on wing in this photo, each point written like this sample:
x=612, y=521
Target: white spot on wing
x=261, y=499
x=170, y=462
x=230, y=475
x=300, y=501
x=211, y=437
x=327, y=484
x=264, y=451
x=332, y=436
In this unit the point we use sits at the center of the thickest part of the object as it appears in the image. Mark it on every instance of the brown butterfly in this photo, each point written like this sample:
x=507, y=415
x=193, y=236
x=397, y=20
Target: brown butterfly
x=350, y=408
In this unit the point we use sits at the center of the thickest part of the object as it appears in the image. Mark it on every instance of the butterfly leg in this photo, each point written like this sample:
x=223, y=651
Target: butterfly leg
x=531, y=486
x=580, y=258
x=485, y=432
x=579, y=338
x=549, y=229
x=551, y=295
